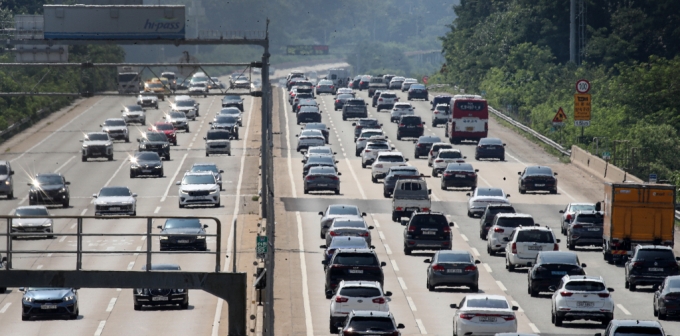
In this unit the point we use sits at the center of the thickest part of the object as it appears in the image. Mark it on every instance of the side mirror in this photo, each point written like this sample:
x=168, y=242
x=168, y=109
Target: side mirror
x=427, y=261
x=555, y=173
x=134, y=195
x=505, y=239
x=429, y=191
x=515, y=308
x=204, y=138
x=372, y=247
x=303, y=161
x=388, y=293
x=337, y=161
x=138, y=140
x=178, y=183
x=503, y=145
x=468, y=194
x=415, y=141
x=22, y=289
x=363, y=214
x=464, y=157
x=324, y=262
x=323, y=246
x=335, y=153
x=519, y=173
x=598, y=334
x=296, y=135
x=477, y=262
x=30, y=184
x=558, y=240
x=81, y=140
x=68, y=183
x=339, y=174
x=507, y=195
x=610, y=289
x=159, y=227
x=370, y=228
x=400, y=326
x=561, y=211
x=454, y=306
x=677, y=258
x=552, y=288
x=476, y=170
x=598, y=206
x=406, y=160
x=320, y=213
x=163, y=117
x=122, y=110
x=354, y=124
x=383, y=264
x=403, y=223
x=11, y=172
x=205, y=226
x=584, y=265
x=210, y=122
x=94, y=195
x=100, y=125
x=366, y=104
x=221, y=171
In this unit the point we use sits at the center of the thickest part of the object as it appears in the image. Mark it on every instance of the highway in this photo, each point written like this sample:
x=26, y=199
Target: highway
x=304, y=310
x=55, y=148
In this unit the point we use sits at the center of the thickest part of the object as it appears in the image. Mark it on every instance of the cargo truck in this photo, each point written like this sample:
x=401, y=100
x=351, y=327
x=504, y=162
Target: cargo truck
x=636, y=214
x=129, y=79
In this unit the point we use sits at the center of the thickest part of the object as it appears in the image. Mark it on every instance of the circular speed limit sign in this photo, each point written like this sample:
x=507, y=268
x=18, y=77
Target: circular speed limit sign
x=583, y=86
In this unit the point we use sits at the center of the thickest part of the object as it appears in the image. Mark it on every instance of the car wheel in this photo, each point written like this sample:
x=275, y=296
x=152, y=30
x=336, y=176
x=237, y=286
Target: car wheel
x=344, y=118
x=356, y=153
x=386, y=195
x=167, y=158
x=134, y=213
x=187, y=130
x=469, y=214
x=110, y=158
x=661, y=315
x=74, y=315
x=474, y=288
x=3, y=289
x=626, y=284
x=332, y=328
x=66, y=203
x=416, y=156
x=443, y=186
x=373, y=179
x=398, y=136
x=554, y=191
x=161, y=174
x=655, y=312
x=558, y=320
x=184, y=306
x=490, y=251
x=632, y=287
x=570, y=245
x=502, y=158
x=434, y=173
x=218, y=204
x=509, y=265
x=532, y=292
x=429, y=287
x=407, y=251
x=181, y=206
x=522, y=191
x=132, y=175
x=363, y=165
x=138, y=307
x=127, y=139
x=206, y=154
x=83, y=158
x=25, y=317
x=337, y=191
x=156, y=106
x=394, y=217
x=306, y=191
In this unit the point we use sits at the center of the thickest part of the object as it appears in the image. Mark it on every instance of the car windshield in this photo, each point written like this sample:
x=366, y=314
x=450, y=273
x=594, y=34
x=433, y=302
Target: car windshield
x=134, y=108
x=345, y=96
x=515, y=221
x=539, y=171
x=429, y=221
x=355, y=102
x=418, y=86
x=363, y=292
x=320, y=159
x=348, y=242
x=31, y=212
x=218, y=136
x=585, y=286
x=200, y=168
x=654, y=254
x=445, y=108
x=343, y=210
x=388, y=95
x=178, y=115
x=43, y=179
x=147, y=156
x=404, y=172
x=309, y=109
x=356, y=259
x=487, y=303
x=319, y=150
x=322, y=171
x=230, y=112
x=582, y=207
x=466, y=167
x=535, y=236
x=451, y=155
x=559, y=258
x=428, y=140
x=377, y=146
x=114, y=191
x=637, y=331
x=370, y=134
x=488, y=191
x=391, y=158
x=348, y=224
x=402, y=106
x=491, y=141
x=155, y=85
x=232, y=97
x=410, y=121
x=184, y=103
x=454, y=258
x=325, y=82
x=361, y=324
x=197, y=79
x=98, y=137
x=437, y=148
x=199, y=179
x=156, y=136
x=589, y=219
x=176, y=223
x=47, y=288
x=198, y=85
x=169, y=76
x=225, y=120
x=164, y=127
x=368, y=122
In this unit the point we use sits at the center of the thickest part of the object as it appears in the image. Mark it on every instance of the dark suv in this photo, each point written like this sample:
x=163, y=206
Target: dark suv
x=424, y=144
x=650, y=265
x=50, y=188
x=395, y=174
x=364, y=123
x=352, y=264
x=354, y=108
x=550, y=268
x=155, y=142
x=441, y=99
x=410, y=126
x=489, y=213
x=427, y=231
x=585, y=229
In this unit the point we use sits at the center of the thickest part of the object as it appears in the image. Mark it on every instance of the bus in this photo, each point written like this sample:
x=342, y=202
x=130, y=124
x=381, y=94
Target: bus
x=469, y=118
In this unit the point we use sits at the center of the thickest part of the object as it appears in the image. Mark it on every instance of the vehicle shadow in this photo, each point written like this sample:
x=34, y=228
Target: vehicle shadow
x=165, y=308
x=582, y=325
x=422, y=254
x=461, y=289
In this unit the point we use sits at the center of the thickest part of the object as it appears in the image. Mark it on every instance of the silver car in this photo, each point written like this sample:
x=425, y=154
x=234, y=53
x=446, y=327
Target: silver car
x=325, y=86
x=178, y=120
x=31, y=225
x=440, y=115
x=147, y=101
x=318, y=150
x=322, y=178
x=232, y=112
x=568, y=214
x=134, y=114
x=355, y=227
x=211, y=167
x=199, y=188
x=117, y=129
x=6, y=180
x=97, y=144
x=334, y=211
x=115, y=201
x=218, y=142
x=407, y=84
x=452, y=268
x=310, y=138
x=396, y=82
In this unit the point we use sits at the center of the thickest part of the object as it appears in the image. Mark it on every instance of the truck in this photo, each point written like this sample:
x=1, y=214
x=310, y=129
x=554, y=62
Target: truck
x=129, y=79
x=636, y=214
x=340, y=77
x=410, y=195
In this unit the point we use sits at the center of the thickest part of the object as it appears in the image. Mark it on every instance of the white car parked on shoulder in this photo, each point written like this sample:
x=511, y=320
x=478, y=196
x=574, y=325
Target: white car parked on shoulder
x=481, y=314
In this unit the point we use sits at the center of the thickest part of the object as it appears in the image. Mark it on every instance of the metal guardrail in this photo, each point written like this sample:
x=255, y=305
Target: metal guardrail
x=537, y=135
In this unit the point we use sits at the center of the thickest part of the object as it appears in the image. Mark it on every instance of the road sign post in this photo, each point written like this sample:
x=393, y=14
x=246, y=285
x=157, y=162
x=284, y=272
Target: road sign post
x=425, y=79
x=582, y=86
x=262, y=246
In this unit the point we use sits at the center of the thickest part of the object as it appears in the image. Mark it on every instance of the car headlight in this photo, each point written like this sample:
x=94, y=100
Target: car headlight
x=28, y=299
x=180, y=290
x=48, y=224
x=69, y=298
x=7, y=182
x=212, y=191
x=159, y=166
x=164, y=237
x=142, y=146
x=134, y=166
x=165, y=145
x=183, y=191
x=200, y=237
x=84, y=146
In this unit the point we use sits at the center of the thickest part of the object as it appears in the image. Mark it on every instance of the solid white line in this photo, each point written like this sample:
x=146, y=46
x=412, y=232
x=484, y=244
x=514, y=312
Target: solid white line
x=100, y=328
x=465, y=238
x=500, y=285
x=566, y=193
x=402, y=283
x=157, y=210
x=394, y=265
x=411, y=304
x=475, y=251
x=387, y=249
x=111, y=304
x=382, y=235
x=131, y=265
x=484, y=180
x=61, y=240
x=421, y=326
x=64, y=164
x=288, y=156
x=435, y=198
x=4, y=308
x=623, y=309
x=23, y=200
x=516, y=159
x=533, y=328
x=143, y=238
x=57, y=131
x=49, y=255
x=487, y=267
x=375, y=221
x=519, y=309
x=83, y=212
x=172, y=180
x=351, y=170
x=39, y=267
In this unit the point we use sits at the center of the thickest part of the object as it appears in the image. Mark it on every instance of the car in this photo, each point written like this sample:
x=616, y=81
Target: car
x=334, y=211
x=401, y=109
x=160, y=297
x=217, y=142
x=361, y=322
x=343, y=242
x=354, y=84
x=372, y=134
x=325, y=86
x=43, y=224
x=166, y=128
x=582, y=297
x=49, y=188
x=525, y=243
x=199, y=89
x=319, y=126
x=633, y=327
x=182, y=83
x=178, y=120
x=424, y=144
x=491, y=210
x=318, y=150
x=395, y=174
x=308, y=114
x=395, y=82
x=418, y=91
x=387, y=78
x=226, y=123
x=502, y=227
x=185, y=234
x=146, y=163
x=318, y=161
x=666, y=298
x=407, y=84
x=384, y=162
x=116, y=128
x=349, y=227
x=215, y=83
x=172, y=79
x=452, y=268
x=586, y=229
x=549, y=268
x=354, y=108
x=232, y=112
x=434, y=150
x=363, y=82
x=310, y=138
x=233, y=101
x=649, y=266
x=376, y=95
x=134, y=114
x=198, y=188
x=341, y=99
x=97, y=145
x=444, y=157
x=49, y=301
x=147, y=100
x=483, y=314
x=322, y=178
x=186, y=105
x=535, y=178
x=115, y=201
x=440, y=115
x=410, y=126
x=440, y=100
x=299, y=103
x=459, y=175
x=426, y=230
x=240, y=82
x=209, y=167
x=371, y=151
x=155, y=142
x=490, y=148
x=354, y=296
x=567, y=215
x=481, y=197
x=386, y=100
x=365, y=123
x=6, y=180
x=352, y=265
x=306, y=89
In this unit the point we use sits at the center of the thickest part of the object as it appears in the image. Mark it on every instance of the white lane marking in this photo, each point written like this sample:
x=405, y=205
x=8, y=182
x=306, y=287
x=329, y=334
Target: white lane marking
x=519, y=309
x=82, y=213
x=533, y=328
x=516, y=159
x=402, y=283
x=100, y=328
x=484, y=180
x=157, y=210
x=387, y=249
x=114, y=175
x=375, y=221
x=4, y=308
x=475, y=251
x=465, y=238
x=57, y=131
x=566, y=193
x=623, y=309
x=382, y=235
x=421, y=326
x=50, y=254
x=500, y=285
x=143, y=238
x=394, y=265
x=119, y=289
x=61, y=240
x=39, y=267
x=12, y=212
x=139, y=248
x=23, y=200
x=172, y=180
x=351, y=170
x=131, y=265
x=110, y=248
x=487, y=267
x=64, y=164
x=435, y=198
x=411, y=304
x=111, y=304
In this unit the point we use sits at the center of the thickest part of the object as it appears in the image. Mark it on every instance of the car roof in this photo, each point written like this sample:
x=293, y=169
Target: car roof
x=390, y=154
x=97, y=133
x=639, y=323
x=583, y=277
x=45, y=174
x=204, y=164
x=32, y=207
x=355, y=250
x=499, y=205
x=453, y=252
x=353, y=239
x=369, y=313
x=198, y=173
x=355, y=283
x=442, y=144
x=444, y=150
x=485, y=296
x=429, y=137
x=558, y=253
x=537, y=228
x=653, y=247
x=514, y=215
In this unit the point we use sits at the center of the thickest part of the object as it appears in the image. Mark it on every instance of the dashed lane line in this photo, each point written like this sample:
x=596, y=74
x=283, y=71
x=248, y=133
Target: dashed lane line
x=622, y=308
x=112, y=303
x=394, y=265
x=131, y=265
x=100, y=328
x=421, y=326
x=487, y=267
x=475, y=251
x=387, y=249
x=402, y=283
x=500, y=285
x=411, y=304
x=5, y=307
x=465, y=238
x=534, y=328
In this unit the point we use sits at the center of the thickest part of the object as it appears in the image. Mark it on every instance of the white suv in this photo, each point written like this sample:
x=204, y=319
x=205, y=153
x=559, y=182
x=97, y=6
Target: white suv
x=444, y=157
x=502, y=226
x=401, y=109
x=434, y=150
x=384, y=162
x=440, y=115
x=582, y=297
x=360, y=144
x=373, y=148
x=357, y=295
x=199, y=188
x=525, y=243
x=386, y=100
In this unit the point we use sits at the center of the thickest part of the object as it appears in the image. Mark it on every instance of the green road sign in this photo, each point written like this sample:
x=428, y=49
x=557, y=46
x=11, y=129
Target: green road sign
x=606, y=155
x=262, y=246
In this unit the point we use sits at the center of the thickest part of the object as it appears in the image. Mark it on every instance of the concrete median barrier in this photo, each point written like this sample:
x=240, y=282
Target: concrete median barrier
x=598, y=167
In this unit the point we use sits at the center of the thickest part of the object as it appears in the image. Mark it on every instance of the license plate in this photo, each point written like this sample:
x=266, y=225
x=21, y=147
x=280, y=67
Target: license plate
x=356, y=271
x=30, y=229
x=656, y=269
x=455, y=270
x=114, y=208
x=183, y=241
x=469, y=129
x=539, y=185
x=487, y=319
x=559, y=272
x=159, y=298
x=594, y=229
x=460, y=176
x=322, y=185
x=412, y=209
x=146, y=171
x=432, y=233
x=585, y=304
x=48, y=306
x=535, y=248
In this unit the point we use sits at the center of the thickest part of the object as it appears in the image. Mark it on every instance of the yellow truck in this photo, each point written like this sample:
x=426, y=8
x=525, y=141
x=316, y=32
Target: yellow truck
x=157, y=87
x=636, y=214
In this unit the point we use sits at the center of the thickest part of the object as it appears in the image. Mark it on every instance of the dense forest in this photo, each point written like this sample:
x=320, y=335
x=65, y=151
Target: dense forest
x=517, y=53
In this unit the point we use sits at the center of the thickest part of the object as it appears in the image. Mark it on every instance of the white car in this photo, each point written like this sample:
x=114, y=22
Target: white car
x=319, y=150
x=502, y=227
x=481, y=197
x=384, y=162
x=115, y=201
x=396, y=82
x=186, y=105
x=134, y=114
x=116, y=128
x=218, y=142
x=525, y=243
x=364, y=136
x=357, y=295
x=211, y=167
x=147, y=101
x=407, y=84
x=232, y=112
x=434, y=151
x=444, y=157
x=401, y=109
x=371, y=151
x=199, y=188
x=241, y=82
x=32, y=225
x=344, y=90
x=440, y=115
x=178, y=120
x=481, y=314
x=582, y=297
x=569, y=213
x=386, y=100
x=310, y=138
x=199, y=89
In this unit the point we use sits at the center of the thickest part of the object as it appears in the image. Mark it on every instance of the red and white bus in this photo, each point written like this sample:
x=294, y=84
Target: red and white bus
x=469, y=118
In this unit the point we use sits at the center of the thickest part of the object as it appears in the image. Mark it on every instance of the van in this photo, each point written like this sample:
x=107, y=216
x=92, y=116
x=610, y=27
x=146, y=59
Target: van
x=410, y=195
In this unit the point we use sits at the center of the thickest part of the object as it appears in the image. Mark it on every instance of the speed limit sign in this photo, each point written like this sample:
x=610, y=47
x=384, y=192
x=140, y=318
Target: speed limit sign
x=582, y=86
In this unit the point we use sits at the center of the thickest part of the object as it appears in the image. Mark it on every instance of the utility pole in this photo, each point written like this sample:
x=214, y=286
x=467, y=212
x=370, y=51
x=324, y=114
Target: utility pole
x=572, y=31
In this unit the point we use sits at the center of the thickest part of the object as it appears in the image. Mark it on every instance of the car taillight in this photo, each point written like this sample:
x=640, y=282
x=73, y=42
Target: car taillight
x=419, y=126
x=577, y=226
x=332, y=86
x=401, y=125
x=309, y=178
x=603, y=295
x=333, y=233
x=467, y=316
x=671, y=297
x=364, y=234
x=438, y=160
x=438, y=268
x=426, y=209
x=411, y=228
x=637, y=264
x=498, y=230
x=379, y=300
x=421, y=145
x=337, y=100
x=514, y=248
x=379, y=165
x=470, y=268
x=367, y=150
x=431, y=152
x=568, y=217
x=380, y=99
x=341, y=299
x=508, y=317
x=472, y=174
x=565, y=293
x=486, y=126
x=334, y=178
x=556, y=247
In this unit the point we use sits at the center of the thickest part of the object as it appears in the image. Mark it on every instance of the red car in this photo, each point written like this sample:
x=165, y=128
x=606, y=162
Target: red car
x=166, y=128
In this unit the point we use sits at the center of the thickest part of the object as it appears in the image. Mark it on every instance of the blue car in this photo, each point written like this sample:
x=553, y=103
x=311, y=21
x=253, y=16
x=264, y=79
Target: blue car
x=47, y=301
x=343, y=242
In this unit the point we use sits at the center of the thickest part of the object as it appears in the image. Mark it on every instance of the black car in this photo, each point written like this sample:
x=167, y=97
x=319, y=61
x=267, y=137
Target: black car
x=427, y=231
x=459, y=175
x=650, y=265
x=226, y=123
x=352, y=265
x=550, y=268
x=233, y=100
x=146, y=163
x=362, y=123
x=440, y=99
x=489, y=213
x=375, y=97
x=183, y=234
x=297, y=103
x=373, y=87
x=49, y=188
x=490, y=148
x=354, y=108
x=424, y=144
x=341, y=99
x=364, y=81
x=395, y=174
x=316, y=161
x=355, y=82
x=585, y=230
x=537, y=178
x=160, y=296
x=318, y=126
x=309, y=114
x=155, y=142
x=418, y=91
x=410, y=127
x=667, y=298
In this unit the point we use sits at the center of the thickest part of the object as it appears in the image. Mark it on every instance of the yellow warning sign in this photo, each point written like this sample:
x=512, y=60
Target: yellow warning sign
x=560, y=116
x=582, y=103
